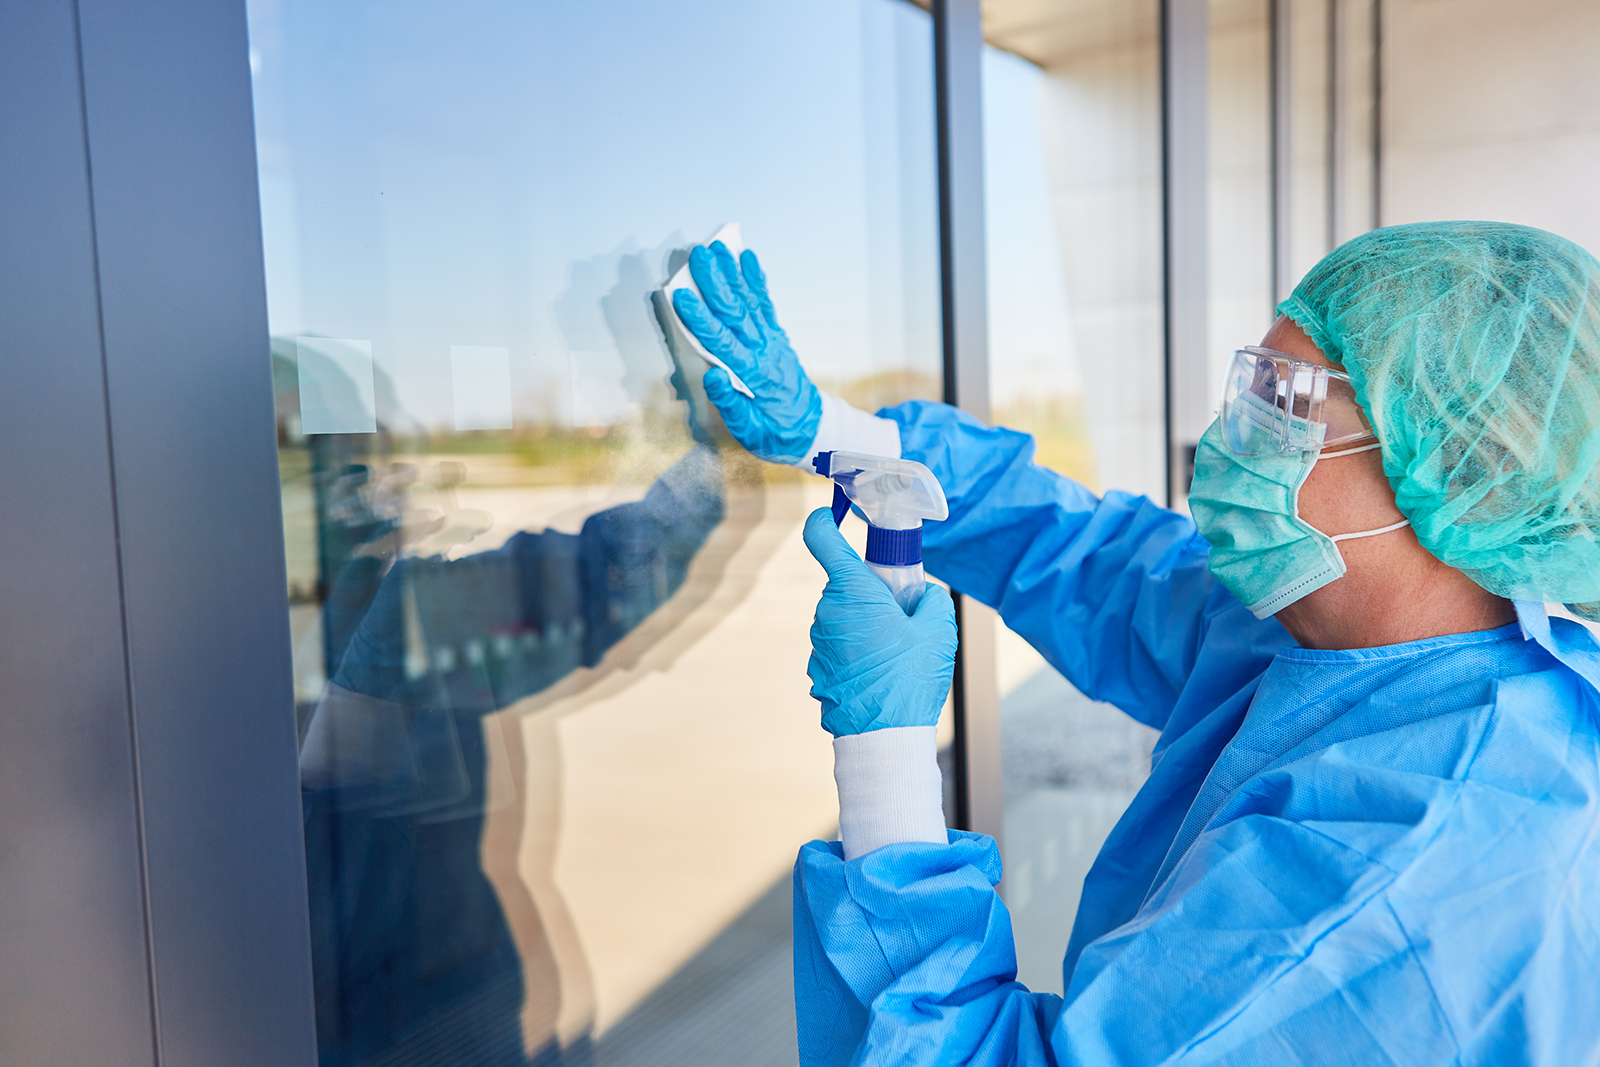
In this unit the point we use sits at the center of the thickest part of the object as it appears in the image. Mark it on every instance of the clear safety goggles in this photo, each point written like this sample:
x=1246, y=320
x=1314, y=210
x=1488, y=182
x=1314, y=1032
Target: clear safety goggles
x=1273, y=403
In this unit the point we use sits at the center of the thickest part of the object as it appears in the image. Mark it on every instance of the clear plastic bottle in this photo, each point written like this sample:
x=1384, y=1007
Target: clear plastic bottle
x=906, y=582
x=895, y=495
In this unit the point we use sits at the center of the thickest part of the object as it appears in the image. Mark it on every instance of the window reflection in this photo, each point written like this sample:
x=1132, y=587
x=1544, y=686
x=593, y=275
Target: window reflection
x=398, y=757
x=557, y=750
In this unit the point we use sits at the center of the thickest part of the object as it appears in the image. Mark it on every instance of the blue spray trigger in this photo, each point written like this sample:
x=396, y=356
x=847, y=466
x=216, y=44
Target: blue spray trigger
x=894, y=496
x=823, y=462
x=841, y=504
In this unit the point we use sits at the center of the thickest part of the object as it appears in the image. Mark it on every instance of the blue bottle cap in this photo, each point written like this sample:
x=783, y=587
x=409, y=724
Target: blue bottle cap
x=893, y=548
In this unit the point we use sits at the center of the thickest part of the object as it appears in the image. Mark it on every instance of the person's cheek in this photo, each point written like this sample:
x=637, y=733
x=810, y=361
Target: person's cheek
x=1318, y=496
x=1348, y=493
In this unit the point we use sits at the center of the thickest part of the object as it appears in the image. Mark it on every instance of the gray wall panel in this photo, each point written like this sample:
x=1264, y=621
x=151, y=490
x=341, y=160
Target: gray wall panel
x=171, y=143
x=74, y=980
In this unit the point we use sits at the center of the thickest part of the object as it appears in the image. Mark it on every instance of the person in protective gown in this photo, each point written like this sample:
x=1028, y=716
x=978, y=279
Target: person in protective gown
x=1371, y=831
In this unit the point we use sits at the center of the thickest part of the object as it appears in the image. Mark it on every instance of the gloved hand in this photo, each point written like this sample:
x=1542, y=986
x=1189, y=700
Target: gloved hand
x=872, y=665
x=741, y=329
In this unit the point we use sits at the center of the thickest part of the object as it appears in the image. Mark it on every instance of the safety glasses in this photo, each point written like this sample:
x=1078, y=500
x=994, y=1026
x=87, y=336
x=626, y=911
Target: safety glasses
x=1273, y=403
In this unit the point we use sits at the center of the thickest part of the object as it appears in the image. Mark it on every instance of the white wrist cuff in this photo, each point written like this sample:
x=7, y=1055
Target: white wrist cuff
x=890, y=790
x=843, y=428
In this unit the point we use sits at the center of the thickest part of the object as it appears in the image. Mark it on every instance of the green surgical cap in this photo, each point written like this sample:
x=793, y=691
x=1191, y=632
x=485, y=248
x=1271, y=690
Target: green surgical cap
x=1475, y=349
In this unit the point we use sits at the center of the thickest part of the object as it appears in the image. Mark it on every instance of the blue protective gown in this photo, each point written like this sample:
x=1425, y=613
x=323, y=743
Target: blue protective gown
x=1378, y=856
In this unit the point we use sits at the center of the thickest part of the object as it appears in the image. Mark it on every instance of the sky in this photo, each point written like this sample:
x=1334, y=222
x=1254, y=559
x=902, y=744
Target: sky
x=515, y=175
x=1031, y=347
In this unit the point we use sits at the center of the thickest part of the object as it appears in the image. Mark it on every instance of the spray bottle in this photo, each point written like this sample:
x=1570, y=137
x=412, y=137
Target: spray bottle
x=895, y=495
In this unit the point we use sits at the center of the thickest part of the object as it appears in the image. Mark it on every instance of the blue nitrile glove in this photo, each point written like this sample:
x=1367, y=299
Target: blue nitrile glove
x=742, y=330
x=872, y=665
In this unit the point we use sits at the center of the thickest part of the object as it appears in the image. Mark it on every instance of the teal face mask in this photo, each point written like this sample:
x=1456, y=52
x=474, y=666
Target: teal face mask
x=1262, y=551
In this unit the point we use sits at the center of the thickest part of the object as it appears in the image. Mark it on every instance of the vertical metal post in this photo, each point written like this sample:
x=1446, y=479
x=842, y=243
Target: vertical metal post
x=1377, y=113
x=1185, y=102
x=153, y=907
x=958, y=87
x=1282, y=142
x=75, y=985
x=1336, y=124
x=958, y=78
x=169, y=130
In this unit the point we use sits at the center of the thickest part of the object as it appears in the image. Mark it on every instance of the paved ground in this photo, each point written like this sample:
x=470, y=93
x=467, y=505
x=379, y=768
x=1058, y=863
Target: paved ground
x=1054, y=737
x=1071, y=767
x=732, y=1005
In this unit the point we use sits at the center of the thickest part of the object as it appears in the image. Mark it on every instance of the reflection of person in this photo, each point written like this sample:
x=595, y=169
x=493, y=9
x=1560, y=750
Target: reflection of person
x=412, y=946
x=1371, y=833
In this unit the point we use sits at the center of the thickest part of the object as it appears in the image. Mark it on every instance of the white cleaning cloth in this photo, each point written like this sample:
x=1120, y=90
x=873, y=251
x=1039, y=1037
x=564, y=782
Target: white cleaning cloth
x=682, y=279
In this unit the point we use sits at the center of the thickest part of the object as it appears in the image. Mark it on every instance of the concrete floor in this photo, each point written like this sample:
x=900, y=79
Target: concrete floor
x=731, y=1005
x=1071, y=767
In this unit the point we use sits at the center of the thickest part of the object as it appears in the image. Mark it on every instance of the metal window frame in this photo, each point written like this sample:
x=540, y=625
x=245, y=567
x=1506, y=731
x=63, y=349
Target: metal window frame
x=1378, y=129
x=963, y=267
x=1281, y=146
x=156, y=885
x=1185, y=181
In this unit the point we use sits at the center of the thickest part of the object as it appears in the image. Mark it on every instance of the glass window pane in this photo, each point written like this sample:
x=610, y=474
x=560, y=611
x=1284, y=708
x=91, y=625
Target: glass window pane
x=1072, y=138
x=1240, y=189
x=550, y=625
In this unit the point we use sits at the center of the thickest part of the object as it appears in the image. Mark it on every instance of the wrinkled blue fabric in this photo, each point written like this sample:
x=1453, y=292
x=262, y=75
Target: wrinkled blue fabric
x=1378, y=856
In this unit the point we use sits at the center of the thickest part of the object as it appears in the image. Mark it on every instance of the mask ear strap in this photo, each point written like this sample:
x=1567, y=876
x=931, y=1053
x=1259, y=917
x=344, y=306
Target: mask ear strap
x=1372, y=533
x=1349, y=451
